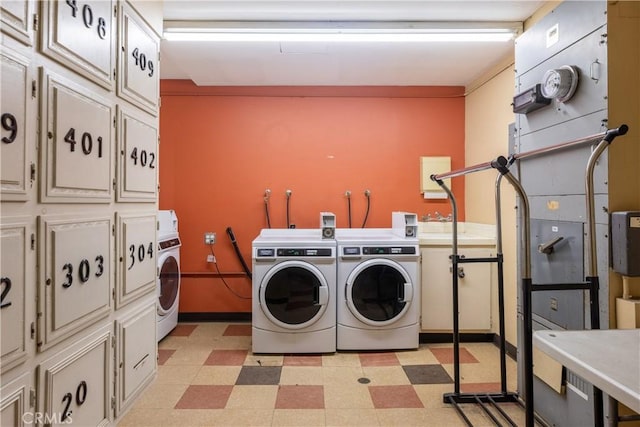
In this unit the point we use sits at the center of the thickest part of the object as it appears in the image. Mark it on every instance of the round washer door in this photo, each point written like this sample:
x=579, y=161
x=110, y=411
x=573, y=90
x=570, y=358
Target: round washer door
x=379, y=292
x=294, y=294
x=168, y=283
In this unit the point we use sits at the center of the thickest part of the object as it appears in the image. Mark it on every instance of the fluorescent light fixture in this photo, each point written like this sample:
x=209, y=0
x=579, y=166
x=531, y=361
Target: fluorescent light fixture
x=341, y=32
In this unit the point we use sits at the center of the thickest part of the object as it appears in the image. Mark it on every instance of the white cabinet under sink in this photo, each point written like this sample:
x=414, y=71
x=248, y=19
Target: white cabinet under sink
x=475, y=289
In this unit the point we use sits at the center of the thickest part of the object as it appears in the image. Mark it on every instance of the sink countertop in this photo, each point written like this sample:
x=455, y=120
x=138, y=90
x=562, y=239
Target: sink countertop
x=469, y=234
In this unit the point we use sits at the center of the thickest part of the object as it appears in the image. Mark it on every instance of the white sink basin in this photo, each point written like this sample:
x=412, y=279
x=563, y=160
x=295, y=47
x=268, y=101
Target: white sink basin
x=469, y=234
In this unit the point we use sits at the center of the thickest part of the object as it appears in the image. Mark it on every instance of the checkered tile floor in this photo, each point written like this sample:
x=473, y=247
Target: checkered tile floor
x=207, y=375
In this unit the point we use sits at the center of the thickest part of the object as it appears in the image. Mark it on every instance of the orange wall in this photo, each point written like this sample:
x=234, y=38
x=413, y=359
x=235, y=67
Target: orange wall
x=220, y=149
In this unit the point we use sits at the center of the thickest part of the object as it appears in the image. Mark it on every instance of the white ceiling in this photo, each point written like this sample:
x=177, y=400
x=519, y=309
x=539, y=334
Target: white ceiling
x=278, y=64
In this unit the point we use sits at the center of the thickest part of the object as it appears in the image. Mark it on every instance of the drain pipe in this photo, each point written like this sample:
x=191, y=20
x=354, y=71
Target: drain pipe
x=367, y=194
x=267, y=194
x=245, y=267
x=288, y=195
x=348, y=196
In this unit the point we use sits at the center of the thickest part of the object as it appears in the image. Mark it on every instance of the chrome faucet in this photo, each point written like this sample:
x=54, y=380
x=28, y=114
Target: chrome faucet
x=438, y=218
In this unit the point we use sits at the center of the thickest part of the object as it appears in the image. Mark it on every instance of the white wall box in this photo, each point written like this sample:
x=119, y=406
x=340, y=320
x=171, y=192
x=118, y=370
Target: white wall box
x=433, y=165
x=14, y=235
x=75, y=142
x=136, y=256
x=474, y=290
x=136, y=355
x=137, y=157
x=75, y=278
x=80, y=35
x=17, y=115
x=15, y=403
x=138, y=61
x=15, y=18
x=75, y=385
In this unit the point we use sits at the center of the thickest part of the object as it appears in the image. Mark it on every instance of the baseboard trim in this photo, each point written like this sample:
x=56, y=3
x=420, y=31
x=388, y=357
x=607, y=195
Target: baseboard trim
x=512, y=350
x=446, y=337
x=443, y=338
x=214, y=317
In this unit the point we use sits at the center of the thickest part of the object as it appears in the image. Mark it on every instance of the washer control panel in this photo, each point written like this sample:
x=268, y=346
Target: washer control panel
x=379, y=250
x=293, y=252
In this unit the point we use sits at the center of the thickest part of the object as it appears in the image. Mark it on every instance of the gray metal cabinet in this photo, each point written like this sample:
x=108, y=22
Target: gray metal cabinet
x=596, y=38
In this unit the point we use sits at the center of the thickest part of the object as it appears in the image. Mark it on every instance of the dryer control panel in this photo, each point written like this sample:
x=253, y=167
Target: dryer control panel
x=168, y=244
x=389, y=250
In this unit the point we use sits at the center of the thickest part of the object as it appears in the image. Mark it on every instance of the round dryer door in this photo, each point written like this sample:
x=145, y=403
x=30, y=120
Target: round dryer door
x=378, y=292
x=169, y=282
x=294, y=294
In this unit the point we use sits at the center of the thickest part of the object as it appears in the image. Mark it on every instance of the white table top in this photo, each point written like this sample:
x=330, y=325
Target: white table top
x=608, y=359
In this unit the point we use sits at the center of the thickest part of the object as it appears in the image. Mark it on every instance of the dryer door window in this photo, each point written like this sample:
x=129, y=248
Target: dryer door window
x=294, y=294
x=169, y=283
x=379, y=292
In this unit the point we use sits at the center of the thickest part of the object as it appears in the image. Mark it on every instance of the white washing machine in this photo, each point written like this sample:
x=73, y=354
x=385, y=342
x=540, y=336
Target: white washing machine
x=168, y=280
x=294, y=292
x=378, y=290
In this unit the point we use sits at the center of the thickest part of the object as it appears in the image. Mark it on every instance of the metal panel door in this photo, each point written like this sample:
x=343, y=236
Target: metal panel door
x=558, y=263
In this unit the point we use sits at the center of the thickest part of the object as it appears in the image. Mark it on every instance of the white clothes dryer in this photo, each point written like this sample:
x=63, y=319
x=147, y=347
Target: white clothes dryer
x=294, y=292
x=378, y=290
x=168, y=279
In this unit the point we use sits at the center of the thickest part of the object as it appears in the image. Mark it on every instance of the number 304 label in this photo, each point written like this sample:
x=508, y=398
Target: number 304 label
x=137, y=256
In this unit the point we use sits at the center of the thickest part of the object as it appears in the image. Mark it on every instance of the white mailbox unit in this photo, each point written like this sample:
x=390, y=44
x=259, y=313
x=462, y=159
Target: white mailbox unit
x=78, y=192
x=17, y=110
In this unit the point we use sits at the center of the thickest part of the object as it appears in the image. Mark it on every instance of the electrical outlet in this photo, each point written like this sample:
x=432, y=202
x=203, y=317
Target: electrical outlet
x=211, y=258
x=209, y=238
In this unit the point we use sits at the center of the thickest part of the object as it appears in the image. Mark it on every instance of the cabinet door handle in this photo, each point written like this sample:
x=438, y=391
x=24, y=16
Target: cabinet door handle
x=461, y=272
